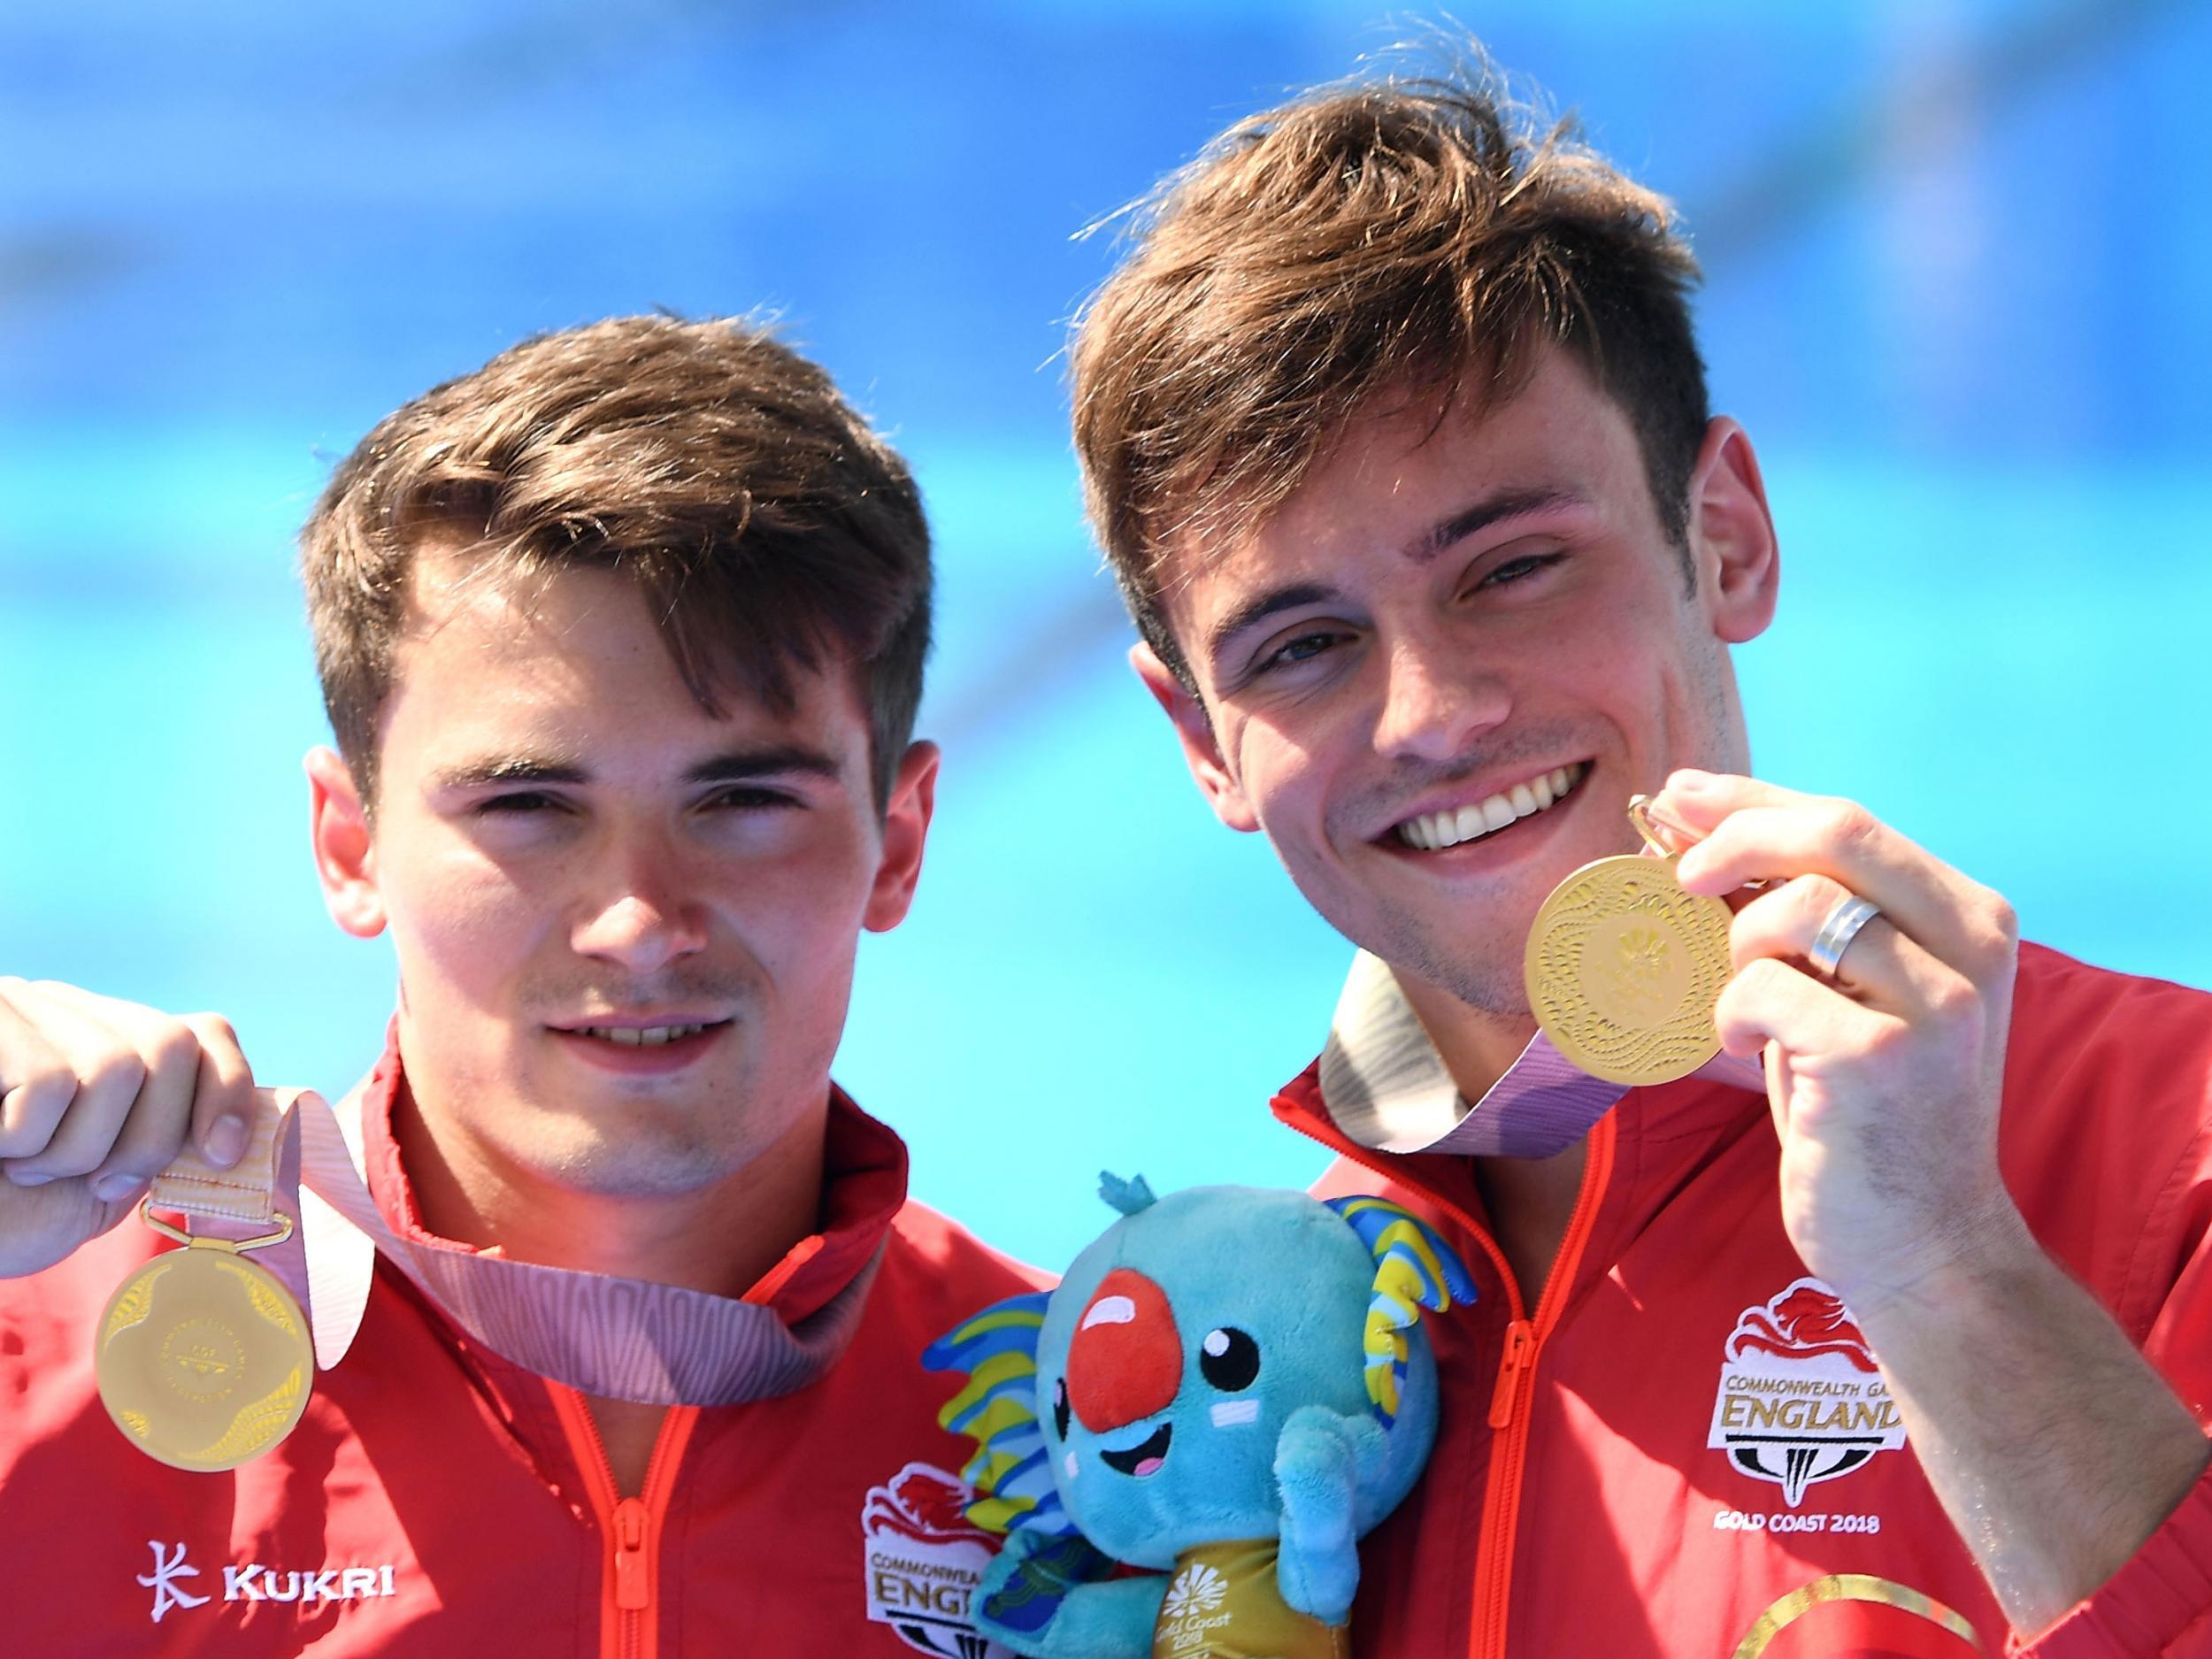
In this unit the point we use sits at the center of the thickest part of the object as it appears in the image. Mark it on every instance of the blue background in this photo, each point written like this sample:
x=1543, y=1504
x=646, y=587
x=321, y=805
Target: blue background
x=1958, y=263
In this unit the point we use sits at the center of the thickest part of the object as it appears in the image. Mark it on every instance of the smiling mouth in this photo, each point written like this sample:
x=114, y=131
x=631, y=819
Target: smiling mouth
x=641, y=1036
x=1142, y=1459
x=1433, y=831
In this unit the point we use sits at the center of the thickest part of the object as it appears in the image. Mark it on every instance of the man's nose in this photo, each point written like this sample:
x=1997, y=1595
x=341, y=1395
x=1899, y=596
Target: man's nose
x=645, y=917
x=1436, y=701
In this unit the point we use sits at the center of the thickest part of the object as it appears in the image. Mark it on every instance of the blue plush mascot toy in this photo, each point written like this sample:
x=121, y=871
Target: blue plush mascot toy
x=1230, y=1387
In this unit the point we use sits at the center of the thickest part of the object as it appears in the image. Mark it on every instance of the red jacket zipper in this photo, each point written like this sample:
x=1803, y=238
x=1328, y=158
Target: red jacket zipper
x=1517, y=1363
x=631, y=1525
x=1510, y=1401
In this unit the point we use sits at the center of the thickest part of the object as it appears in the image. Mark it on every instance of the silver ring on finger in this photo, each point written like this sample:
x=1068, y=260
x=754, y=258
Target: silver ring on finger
x=1838, y=929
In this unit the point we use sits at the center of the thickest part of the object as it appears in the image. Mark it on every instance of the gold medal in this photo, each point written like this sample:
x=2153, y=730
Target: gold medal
x=1623, y=968
x=203, y=1358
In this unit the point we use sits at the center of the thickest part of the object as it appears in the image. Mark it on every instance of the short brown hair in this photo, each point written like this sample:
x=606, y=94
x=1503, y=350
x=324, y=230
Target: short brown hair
x=768, y=528
x=1366, y=237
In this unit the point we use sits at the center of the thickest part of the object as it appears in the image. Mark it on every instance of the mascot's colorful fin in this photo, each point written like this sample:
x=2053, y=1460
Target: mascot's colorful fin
x=1034, y=1591
x=997, y=1348
x=1414, y=1269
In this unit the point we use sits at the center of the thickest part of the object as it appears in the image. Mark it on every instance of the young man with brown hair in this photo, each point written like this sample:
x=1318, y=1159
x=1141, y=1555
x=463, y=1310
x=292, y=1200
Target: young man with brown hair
x=1396, y=435
x=621, y=637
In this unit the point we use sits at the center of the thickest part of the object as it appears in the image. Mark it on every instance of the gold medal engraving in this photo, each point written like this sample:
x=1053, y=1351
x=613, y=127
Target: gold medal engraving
x=204, y=1357
x=1623, y=968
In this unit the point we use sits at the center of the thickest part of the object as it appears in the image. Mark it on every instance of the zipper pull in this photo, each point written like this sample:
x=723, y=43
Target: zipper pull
x=630, y=1587
x=1520, y=1337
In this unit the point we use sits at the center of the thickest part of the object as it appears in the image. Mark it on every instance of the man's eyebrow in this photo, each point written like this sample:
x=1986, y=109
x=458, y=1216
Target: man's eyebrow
x=1261, y=606
x=736, y=765
x=509, y=769
x=1496, y=508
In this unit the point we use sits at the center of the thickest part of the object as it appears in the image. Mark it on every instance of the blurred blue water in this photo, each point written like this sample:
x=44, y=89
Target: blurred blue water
x=1957, y=289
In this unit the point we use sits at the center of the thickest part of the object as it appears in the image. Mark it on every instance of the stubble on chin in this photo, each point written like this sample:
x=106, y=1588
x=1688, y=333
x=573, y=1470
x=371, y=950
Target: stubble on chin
x=631, y=1161
x=1489, y=982
x=595, y=1139
x=1485, y=973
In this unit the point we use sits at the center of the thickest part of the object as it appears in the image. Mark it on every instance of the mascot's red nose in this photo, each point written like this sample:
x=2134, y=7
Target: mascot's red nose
x=1126, y=1361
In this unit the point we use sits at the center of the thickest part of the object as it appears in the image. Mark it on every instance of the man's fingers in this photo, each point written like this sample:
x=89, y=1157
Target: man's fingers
x=86, y=1132
x=36, y=1084
x=115, y=1087
x=1772, y=1002
x=96, y=1097
x=1759, y=832
x=1698, y=800
x=108, y=1073
x=223, y=1107
x=1879, y=966
x=1830, y=838
x=151, y=1135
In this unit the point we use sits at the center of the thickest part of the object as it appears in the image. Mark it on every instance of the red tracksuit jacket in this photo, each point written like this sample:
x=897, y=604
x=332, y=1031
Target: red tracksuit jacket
x=436, y=1499
x=1685, y=1452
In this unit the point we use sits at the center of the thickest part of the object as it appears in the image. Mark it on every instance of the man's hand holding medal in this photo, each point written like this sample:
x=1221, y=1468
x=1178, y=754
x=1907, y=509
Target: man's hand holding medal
x=97, y=1097
x=1883, y=1048
x=1875, y=982
x=203, y=1357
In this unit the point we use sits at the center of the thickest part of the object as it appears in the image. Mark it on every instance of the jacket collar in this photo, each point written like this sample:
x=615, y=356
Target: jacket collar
x=1382, y=1085
x=864, y=1185
x=621, y=1338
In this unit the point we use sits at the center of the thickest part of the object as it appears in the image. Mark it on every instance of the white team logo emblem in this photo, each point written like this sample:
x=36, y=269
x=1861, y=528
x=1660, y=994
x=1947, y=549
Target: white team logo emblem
x=1800, y=1398
x=924, y=1559
x=163, y=1580
x=1197, y=1591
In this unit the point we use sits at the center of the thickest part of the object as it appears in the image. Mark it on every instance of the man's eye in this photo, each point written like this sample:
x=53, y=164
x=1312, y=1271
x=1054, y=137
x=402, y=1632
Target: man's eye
x=522, y=802
x=750, y=799
x=1300, y=649
x=1520, y=569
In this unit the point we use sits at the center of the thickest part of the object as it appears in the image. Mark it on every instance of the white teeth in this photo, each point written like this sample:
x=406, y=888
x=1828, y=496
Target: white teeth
x=642, y=1037
x=1433, y=831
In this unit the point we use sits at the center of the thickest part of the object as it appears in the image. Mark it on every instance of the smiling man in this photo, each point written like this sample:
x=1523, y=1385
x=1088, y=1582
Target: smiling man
x=1888, y=1331
x=621, y=639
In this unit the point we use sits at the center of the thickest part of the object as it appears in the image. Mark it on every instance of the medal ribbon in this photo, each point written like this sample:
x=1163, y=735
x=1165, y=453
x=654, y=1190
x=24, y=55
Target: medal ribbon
x=625, y=1339
x=1545, y=1103
x=1385, y=1086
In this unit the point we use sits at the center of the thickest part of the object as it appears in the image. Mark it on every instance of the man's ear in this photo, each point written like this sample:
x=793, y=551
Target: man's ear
x=905, y=828
x=1202, y=750
x=1732, y=534
x=345, y=857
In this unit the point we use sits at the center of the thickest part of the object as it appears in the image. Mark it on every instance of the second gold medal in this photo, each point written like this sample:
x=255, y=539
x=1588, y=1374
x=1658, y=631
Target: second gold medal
x=1623, y=968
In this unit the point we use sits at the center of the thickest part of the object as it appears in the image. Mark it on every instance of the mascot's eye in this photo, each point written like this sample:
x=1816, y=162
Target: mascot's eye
x=1229, y=1359
x=1060, y=1406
